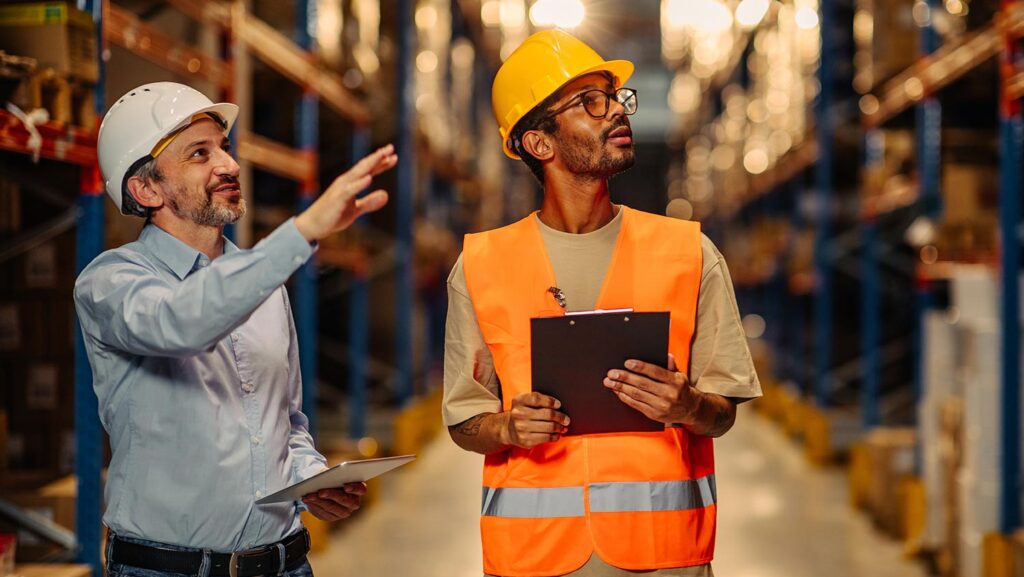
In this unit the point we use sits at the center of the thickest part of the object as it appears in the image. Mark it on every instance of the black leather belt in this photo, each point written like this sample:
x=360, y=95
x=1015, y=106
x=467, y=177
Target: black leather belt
x=265, y=560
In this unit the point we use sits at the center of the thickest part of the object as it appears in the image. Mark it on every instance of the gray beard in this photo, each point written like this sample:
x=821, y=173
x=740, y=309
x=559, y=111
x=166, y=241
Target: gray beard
x=207, y=213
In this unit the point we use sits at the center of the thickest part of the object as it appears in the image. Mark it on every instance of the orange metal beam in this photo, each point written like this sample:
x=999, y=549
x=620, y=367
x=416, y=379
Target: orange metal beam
x=276, y=157
x=123, y=28
x=931, y=74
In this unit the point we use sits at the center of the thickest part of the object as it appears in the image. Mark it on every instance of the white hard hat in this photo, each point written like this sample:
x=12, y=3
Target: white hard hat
x=144, y=119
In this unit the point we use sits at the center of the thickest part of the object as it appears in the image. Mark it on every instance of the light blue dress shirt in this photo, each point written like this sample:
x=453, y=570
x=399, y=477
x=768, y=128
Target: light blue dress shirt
x=196, y=367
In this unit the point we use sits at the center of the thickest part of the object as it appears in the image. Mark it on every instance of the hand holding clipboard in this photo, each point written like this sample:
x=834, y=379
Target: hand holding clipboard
x=572, y=356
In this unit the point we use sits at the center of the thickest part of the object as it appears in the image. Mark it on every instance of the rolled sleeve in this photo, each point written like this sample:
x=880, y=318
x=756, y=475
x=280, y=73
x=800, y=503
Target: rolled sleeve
x=470, y=383
x=720, y=358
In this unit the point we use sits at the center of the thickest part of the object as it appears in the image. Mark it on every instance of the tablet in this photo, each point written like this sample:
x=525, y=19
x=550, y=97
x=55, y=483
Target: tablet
x=336, y=476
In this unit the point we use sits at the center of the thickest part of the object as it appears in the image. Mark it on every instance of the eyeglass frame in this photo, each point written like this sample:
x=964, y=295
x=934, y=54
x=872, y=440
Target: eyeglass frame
x=609, y=96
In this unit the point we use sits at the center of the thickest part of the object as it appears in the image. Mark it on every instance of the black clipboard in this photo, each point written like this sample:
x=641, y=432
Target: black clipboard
x=572, y=354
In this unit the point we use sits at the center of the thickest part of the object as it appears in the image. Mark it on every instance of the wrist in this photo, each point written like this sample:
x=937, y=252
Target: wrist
x=504, y=428
x=690, y=408
x=304, y=227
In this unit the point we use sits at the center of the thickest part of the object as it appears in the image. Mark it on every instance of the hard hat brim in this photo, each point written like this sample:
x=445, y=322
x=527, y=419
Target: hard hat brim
x=621, y=70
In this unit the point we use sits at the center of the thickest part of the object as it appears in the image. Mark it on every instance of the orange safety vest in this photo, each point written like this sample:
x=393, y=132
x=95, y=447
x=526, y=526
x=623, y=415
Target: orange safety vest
x=642, y=501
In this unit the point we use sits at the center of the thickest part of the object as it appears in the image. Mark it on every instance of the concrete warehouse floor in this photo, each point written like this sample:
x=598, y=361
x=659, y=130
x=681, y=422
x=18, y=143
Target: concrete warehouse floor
x=778, y=517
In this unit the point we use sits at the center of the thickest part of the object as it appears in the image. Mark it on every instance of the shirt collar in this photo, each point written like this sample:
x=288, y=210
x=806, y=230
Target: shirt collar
x=181, y=258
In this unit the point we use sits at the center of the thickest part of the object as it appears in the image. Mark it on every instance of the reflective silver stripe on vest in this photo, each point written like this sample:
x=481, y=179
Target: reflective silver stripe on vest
x=533, y=503
x=652, y=495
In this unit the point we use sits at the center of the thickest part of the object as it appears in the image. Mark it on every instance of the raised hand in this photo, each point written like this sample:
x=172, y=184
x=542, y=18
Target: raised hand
x=337, y=208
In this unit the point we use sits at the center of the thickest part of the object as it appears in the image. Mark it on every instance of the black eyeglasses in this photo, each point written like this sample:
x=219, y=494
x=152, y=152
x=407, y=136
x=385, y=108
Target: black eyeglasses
x=596, y=102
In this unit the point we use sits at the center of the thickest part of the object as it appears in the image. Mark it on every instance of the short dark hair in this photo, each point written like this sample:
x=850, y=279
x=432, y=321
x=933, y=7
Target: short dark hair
x=536, y=119
x=145, y=169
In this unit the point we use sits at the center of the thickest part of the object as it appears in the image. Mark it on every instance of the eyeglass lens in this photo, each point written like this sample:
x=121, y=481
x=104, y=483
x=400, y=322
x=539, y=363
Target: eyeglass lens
x=596, y=102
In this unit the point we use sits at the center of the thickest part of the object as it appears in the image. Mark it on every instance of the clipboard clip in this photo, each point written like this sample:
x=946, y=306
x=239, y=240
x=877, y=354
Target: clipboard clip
x=559, y=295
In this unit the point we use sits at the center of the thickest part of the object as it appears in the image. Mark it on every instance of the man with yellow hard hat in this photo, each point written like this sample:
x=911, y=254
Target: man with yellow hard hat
x=589, y=505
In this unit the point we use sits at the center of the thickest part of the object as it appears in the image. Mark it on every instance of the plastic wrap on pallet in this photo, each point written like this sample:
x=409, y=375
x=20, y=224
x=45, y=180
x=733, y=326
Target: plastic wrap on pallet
x=978, y=479
x=940, y=364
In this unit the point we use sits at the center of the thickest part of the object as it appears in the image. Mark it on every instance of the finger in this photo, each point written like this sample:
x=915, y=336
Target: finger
x=355, y=488
x=639, y=381
x=368, y=163
x=320, y=512
x=372, y=202
x=651, y=370
x=634, y=392
x=545, y=416
x=537, y=401
x=345, y=500
x=546, y=427
x=386, y=163
x=335, y=509
x=644, y=408
x=672, y=363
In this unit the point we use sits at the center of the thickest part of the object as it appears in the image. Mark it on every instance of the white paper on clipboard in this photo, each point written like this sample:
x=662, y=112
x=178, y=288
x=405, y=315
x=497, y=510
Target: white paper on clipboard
x=336, y=476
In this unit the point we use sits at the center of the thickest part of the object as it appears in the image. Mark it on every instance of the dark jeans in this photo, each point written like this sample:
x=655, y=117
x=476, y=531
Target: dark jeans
x=118, y=570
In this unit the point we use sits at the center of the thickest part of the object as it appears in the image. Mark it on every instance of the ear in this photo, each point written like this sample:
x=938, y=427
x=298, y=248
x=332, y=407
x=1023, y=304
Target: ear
x=538, y=144
x=145, y=192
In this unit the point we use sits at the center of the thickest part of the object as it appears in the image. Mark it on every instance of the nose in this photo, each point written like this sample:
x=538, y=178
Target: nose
x=615, y=108
x=226, y=164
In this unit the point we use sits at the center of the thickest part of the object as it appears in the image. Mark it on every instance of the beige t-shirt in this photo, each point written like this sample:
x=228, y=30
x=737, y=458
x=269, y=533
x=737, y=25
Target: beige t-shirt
x=719, y=358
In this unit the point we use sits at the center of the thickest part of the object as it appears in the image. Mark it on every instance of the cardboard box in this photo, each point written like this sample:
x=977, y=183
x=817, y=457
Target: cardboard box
x=891, y=453
x=57, y=35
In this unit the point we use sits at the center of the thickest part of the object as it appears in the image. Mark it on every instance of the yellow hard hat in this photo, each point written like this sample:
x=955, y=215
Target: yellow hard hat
x=541, y=65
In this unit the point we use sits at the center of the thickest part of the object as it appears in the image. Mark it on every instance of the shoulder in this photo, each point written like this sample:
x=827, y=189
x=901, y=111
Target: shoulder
x=112, y=265
x=664, y=225
x=713, y=258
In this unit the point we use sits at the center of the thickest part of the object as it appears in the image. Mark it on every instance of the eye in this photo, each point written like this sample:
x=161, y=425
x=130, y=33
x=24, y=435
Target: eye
x=199, y=153
x=589, y=99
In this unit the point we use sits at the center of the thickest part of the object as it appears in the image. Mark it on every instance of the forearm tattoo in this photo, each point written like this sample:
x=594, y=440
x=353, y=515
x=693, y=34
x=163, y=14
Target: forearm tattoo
x=471, y=427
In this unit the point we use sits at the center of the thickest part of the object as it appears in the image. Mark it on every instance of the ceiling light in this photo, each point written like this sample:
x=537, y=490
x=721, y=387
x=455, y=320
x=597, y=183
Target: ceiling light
x=749, y=13
x=807, y=18
x=558, y=13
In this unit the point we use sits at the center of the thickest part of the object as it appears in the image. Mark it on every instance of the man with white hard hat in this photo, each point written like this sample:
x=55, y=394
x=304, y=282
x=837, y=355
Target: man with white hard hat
x=193, y=349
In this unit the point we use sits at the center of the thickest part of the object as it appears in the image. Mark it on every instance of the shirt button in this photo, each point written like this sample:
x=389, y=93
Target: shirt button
x=248, y=387
x=234, y=338
x=298, y=260
x=255, y=440
x=259, y=494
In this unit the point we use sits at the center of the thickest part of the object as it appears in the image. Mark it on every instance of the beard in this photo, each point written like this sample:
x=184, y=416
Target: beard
x=578, y=155
x=201, y=210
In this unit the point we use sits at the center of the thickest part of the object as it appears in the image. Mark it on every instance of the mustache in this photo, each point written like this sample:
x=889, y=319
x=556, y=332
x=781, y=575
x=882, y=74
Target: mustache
x=226, y=179
x=621, y=121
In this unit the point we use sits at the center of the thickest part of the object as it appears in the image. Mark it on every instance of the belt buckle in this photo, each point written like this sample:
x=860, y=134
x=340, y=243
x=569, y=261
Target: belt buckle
x=233, y=563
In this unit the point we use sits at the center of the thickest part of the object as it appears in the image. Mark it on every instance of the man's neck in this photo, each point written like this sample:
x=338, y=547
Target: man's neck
x=575, y=205
x=208, y=240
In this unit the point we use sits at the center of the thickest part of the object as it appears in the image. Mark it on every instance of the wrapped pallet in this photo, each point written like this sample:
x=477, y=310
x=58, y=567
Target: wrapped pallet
x=940, y=364
x=974, y=290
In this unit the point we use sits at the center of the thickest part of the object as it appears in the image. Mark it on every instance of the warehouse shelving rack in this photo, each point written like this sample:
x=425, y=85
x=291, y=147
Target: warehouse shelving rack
x=917, y=88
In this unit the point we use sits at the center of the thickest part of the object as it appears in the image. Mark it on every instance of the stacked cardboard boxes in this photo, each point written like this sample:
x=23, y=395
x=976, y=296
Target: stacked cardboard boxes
x=62, y=40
